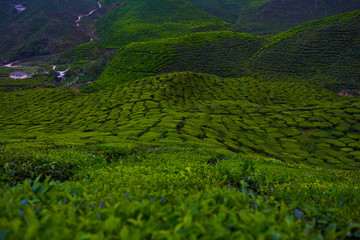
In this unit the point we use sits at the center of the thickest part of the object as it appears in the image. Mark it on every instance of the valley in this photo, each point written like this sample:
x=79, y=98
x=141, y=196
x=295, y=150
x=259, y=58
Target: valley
x=175, y=119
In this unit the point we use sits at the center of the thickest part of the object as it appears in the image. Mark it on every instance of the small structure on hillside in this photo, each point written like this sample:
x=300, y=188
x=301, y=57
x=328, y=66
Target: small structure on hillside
x=18, y=75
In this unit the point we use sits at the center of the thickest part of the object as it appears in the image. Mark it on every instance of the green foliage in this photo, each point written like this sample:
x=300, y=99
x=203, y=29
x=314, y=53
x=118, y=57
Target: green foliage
x=269, y=17
x=172, y=192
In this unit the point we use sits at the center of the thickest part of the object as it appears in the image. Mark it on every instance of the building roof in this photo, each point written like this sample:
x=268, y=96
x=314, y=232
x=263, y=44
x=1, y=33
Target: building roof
x=18, y=74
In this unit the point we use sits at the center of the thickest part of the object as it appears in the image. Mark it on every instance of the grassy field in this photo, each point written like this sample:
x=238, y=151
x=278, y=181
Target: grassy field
x=147, y=191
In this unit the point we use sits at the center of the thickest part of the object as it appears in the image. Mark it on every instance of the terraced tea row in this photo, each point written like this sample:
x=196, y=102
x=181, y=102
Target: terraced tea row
x=292, y=122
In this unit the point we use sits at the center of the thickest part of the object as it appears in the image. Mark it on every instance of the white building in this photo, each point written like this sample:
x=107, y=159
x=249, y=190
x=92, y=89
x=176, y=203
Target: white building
x=18, y=75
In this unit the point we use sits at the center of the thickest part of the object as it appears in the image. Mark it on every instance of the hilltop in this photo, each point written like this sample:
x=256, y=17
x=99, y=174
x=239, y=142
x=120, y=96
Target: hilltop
x=190, y=147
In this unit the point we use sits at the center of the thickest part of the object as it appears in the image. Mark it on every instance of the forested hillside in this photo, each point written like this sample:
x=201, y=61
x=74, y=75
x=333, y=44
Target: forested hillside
x=45, y=27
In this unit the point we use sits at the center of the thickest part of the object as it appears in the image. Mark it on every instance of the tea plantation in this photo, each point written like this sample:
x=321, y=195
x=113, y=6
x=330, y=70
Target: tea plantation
x=181, y=155
x=323, y=51
x=223, y=53
x=187, y=133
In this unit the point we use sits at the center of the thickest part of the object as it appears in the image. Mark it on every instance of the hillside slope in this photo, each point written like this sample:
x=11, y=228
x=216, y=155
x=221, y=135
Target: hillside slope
x=294, y=122
x=324, y=51
x=222, y=53
x=140, y=20
x=7, y=12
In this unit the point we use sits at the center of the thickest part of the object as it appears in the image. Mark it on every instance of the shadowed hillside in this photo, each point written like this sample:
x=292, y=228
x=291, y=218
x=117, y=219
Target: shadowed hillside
x=273, y=16
x=45, y=27
x=325, y=51
x=7, y=12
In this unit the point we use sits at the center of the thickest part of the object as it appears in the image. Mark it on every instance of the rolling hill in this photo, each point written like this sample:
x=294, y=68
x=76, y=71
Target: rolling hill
x=323, y=51
x=222, y=53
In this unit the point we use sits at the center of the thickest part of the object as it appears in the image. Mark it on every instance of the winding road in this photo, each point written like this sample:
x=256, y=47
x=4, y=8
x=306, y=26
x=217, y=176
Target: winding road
x=61, y=73
x=10, y=65
x=91, y=12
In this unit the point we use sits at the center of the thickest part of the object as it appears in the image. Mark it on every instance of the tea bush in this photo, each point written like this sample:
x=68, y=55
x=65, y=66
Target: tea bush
x=173, y=192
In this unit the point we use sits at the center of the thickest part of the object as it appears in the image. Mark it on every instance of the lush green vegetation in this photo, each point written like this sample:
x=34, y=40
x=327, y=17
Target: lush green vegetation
x=294, y=122
x=150, y=159
x=137, y=20
x=220, y=52
x=158, y=192
x=37, y=80
x=324, y=52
